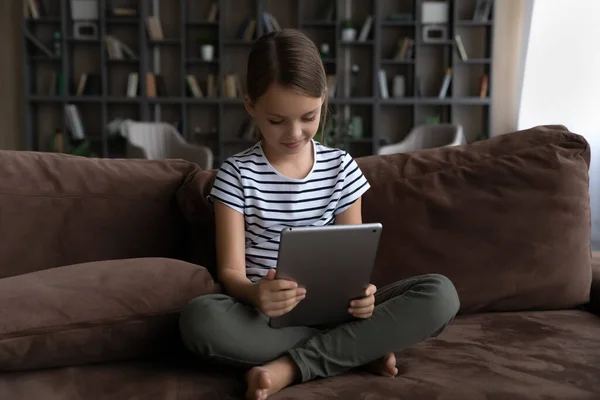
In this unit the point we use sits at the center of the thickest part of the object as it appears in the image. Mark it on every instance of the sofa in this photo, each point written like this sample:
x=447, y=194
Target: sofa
x=97, y=258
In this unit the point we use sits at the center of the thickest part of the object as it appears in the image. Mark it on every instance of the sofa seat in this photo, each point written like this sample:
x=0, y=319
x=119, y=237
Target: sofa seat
x=524, y=355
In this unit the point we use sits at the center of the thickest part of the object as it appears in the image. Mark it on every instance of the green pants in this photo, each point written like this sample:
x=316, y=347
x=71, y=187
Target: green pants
x=219, y=328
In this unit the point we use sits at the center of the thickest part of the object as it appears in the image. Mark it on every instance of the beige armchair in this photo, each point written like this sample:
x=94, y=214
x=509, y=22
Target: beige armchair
x=159, y=140
x=427, y=137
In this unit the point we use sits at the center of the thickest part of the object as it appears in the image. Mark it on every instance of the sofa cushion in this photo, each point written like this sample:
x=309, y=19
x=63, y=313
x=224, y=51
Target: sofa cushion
x=552, y=355
x=506, y=219
x=98, y=311
x=60, y=210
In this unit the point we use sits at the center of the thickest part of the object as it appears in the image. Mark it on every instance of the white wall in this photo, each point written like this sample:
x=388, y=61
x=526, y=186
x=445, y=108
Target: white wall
x=562, y=78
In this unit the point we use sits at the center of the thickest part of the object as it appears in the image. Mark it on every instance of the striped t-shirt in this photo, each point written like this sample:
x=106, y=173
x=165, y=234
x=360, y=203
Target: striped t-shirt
x=271, y=201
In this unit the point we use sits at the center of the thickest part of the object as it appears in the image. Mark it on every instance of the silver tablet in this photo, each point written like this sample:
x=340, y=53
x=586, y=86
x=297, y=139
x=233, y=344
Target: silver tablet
x=333, y=263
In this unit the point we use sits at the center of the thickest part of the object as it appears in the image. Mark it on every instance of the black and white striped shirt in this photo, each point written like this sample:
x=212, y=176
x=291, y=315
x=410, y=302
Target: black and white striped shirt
x=271, y=201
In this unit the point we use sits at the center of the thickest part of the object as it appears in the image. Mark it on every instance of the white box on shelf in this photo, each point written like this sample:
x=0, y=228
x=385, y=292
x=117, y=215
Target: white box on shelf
x=434, y=12
x=84, y=10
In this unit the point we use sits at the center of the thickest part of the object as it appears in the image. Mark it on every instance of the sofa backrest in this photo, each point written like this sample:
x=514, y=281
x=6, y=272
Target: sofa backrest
x=507, y=219
x=57, y=210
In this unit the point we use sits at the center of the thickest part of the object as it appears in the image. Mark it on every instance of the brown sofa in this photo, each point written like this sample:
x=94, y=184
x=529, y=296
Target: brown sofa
x=97, y=257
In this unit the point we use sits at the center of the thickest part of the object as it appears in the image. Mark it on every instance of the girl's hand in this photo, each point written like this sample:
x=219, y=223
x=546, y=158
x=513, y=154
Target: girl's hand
x=363, y=308
x=276, y=297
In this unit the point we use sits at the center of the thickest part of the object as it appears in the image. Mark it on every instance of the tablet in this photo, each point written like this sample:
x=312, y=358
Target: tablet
x=333, y=263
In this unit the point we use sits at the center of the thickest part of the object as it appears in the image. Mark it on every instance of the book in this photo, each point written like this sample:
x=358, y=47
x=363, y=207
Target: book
x=331, y=86
x=250, y=30
x=366, y=29
x=193, y=87
x=242, y=29
x=150, y=85
x=132, y=84
x=327, y=13
x=383, y=85
x=274, y=22
x=445, y=83
x=124, y=12
x=483, y=86
x=81, y=84
x=154, y=28
x=238, y=86
x=73, y=122
x=404, y=49
x=161, y=86
x=93, y=85
x=461, y=48
x=482, y=10
x=212, y=12
x=229, y=86
x=267, y=22
x=33, y=9
x=211, y=86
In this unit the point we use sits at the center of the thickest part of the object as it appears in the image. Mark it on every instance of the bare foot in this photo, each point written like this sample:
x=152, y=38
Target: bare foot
x=270, y=378
x=384, y=366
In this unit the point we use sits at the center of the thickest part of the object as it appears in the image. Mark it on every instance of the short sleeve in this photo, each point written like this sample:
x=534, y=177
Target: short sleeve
x=354, y=186
x=228, y=187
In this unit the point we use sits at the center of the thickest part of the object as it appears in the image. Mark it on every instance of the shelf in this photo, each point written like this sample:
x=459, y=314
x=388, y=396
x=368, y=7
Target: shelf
x=196, y=60
x=46, y=58
x=83, y=41
x=475, y=61
x=166, y=100
x=397, y=62
x=44, y=20
x=234, y=101
x=237, y=42
x=319, y=24
x=85, y=99
x=438, y=43
x=122, y=100
x=396, y=24
x=202, y=23
x=123, y=61
x=436, y=101
x=468, y=22
x=203, y=100
x=329, y=60
x=357, y=43
x=165, y=42
x=366, y=101
x=41, y=98
x=122, y=21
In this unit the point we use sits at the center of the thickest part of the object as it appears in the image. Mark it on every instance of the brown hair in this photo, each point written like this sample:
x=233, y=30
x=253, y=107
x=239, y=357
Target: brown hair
x=291, y=59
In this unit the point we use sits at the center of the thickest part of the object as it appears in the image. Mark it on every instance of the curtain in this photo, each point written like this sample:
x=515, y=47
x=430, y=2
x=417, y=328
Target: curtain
x=562, y=79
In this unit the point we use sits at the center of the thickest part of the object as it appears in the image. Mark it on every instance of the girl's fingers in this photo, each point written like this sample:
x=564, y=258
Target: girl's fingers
x=280, y=312
x=285, y=304
x=362, y=312
x=364, y=302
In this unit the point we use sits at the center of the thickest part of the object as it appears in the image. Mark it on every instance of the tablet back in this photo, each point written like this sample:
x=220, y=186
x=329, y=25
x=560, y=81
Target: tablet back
x=333, y=263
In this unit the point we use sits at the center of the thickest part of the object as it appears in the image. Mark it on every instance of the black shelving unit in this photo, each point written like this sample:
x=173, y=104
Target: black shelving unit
x=215, y=121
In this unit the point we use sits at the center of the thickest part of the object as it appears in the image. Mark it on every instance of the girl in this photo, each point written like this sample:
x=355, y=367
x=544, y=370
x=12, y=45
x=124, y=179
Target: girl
x=288, y=179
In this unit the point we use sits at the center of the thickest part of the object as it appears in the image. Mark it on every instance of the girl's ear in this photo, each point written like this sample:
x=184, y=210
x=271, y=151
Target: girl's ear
x=249, y=106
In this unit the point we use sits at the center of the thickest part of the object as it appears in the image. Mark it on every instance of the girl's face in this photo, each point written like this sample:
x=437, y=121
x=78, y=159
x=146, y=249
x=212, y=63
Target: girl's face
x=287, y=120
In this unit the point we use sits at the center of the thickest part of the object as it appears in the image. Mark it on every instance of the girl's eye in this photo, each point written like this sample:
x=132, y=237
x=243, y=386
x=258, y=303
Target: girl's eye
x=309, y=119
x=275, y=122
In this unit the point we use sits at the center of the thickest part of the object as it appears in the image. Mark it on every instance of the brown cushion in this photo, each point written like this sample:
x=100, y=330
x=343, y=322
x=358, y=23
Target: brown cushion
x=93, y=312
x=507, y=219
x=77, y=210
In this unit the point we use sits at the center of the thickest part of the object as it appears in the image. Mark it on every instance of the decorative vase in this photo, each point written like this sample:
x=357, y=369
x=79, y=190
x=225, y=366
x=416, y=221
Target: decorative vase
x=207, y=52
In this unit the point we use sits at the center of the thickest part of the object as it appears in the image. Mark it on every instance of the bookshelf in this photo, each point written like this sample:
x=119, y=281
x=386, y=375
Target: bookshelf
x=215, y=121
